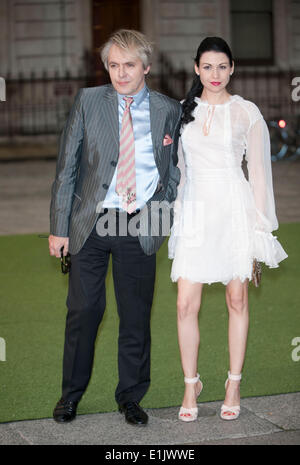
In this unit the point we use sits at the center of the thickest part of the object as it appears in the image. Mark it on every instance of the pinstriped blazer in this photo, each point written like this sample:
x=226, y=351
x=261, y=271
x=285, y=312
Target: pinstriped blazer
x=88, y=157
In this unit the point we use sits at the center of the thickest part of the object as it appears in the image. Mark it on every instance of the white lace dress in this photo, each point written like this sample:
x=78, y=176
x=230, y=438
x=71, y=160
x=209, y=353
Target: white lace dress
x=222, y=220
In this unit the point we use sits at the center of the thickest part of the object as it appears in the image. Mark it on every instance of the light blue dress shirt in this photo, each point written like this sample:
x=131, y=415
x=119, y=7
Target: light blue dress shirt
x=147, y=175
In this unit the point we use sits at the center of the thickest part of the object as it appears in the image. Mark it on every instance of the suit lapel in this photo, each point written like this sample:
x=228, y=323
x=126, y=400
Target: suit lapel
x=157, y=121
x=110, y=110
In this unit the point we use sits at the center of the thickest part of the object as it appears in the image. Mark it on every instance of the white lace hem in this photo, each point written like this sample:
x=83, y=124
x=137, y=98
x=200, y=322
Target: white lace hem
x=223, y=280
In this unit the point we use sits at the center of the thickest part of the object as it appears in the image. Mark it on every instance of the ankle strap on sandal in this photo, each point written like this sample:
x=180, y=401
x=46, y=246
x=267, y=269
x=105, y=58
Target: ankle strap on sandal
x=234, y=377
x=192, y=380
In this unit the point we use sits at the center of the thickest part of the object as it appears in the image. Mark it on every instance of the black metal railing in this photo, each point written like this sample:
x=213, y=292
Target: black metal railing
x=172, y=82
x=271, y=90
x=39, y=104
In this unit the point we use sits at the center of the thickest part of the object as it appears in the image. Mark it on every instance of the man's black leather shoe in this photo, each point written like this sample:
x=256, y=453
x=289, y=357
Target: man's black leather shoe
x=64, y=411
x=134, y=414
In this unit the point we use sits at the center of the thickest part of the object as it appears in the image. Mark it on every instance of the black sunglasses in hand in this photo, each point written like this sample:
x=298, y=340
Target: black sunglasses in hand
x=65, y=261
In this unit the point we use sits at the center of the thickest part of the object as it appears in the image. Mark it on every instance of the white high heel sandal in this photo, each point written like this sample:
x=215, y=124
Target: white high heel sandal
x=190, y=414
x=230, y=413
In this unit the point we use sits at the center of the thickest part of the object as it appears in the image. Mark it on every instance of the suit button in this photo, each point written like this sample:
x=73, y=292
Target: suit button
x=105, y=186
x=113, y=163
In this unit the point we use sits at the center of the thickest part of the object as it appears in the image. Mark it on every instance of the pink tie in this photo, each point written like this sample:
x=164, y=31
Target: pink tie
x=126, y=182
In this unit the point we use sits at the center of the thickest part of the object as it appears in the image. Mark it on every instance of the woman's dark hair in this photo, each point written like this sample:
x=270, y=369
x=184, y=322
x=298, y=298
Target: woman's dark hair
x=210, y=44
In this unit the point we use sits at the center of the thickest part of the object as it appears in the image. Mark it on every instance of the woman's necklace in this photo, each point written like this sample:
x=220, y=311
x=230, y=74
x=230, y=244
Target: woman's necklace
x=208, y=119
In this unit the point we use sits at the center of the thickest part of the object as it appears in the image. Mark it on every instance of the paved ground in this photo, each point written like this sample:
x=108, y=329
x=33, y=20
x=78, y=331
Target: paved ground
x=24, y=206
x=263, y=420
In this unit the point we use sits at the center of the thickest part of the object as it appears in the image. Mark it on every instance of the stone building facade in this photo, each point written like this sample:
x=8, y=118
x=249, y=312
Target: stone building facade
x=53, y=39
x=37, y=35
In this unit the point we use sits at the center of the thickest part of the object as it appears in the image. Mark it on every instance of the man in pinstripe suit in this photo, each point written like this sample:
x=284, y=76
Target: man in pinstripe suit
x=86, y=180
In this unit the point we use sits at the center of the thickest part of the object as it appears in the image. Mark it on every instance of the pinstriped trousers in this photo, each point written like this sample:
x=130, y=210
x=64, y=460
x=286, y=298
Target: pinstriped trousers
x=134, y=277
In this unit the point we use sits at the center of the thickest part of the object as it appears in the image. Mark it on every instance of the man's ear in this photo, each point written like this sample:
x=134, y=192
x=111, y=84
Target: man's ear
x=146, y=71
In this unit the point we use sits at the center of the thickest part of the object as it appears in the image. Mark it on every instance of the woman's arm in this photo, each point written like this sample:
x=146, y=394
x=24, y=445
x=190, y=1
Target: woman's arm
x=258, y=156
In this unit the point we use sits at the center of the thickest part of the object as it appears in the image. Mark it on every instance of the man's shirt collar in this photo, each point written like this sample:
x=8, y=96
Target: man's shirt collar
x=137, y=98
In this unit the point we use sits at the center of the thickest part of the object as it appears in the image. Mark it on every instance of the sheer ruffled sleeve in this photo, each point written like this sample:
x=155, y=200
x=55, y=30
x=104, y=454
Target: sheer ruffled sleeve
x=177, y=203
x=266, y=247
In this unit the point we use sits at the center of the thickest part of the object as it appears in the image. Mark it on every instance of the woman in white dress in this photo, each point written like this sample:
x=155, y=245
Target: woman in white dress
x=222, y=220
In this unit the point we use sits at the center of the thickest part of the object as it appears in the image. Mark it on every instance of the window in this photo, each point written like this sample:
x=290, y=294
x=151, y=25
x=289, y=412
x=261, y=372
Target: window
x=252, y=31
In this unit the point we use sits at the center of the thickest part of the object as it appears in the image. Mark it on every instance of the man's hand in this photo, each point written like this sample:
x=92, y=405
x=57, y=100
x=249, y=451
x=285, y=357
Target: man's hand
x=56, y=243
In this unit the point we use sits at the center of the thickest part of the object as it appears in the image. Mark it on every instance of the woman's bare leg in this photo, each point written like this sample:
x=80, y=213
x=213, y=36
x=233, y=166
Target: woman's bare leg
x=188, y=306
x=237, y=304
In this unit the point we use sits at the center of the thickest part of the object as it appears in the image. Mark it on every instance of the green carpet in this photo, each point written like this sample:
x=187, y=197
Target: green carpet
x=32, y=319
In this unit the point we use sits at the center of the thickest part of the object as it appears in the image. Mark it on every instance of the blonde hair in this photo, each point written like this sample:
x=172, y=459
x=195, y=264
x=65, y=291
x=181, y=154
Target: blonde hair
x=128, y=39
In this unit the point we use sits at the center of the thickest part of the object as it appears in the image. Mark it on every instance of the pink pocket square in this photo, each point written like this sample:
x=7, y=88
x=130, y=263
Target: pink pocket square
x=167, y=140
